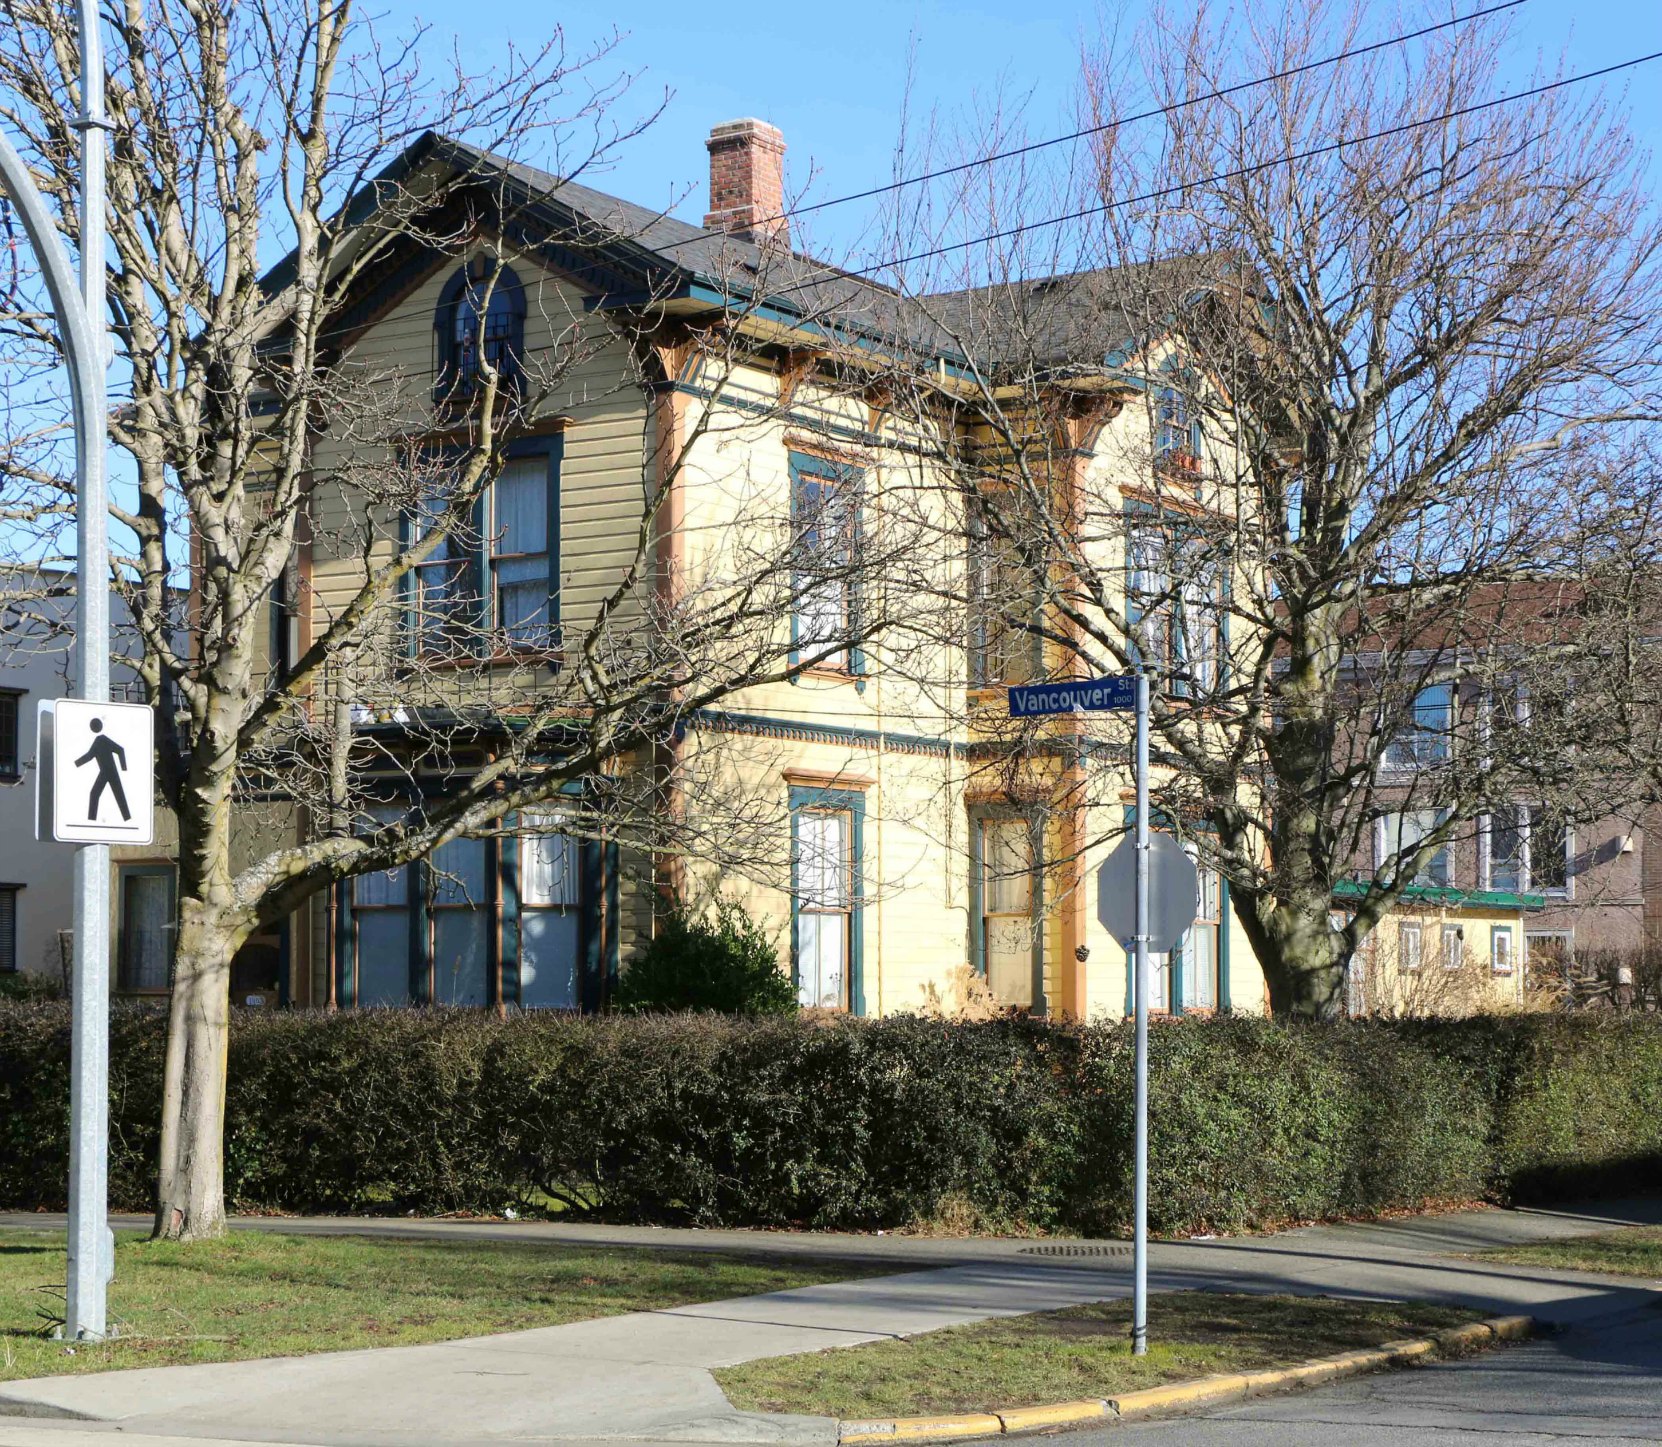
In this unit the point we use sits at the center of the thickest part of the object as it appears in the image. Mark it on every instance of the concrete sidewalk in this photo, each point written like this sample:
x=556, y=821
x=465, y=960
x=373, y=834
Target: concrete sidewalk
x=646, y=1376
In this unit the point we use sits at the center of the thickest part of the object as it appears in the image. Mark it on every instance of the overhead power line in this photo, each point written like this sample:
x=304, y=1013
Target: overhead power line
x=1327, y=148
x=1032, y=146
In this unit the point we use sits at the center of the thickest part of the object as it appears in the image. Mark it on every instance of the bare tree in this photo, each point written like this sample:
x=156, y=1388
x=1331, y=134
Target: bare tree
x=404, y=709
x=1312, y=401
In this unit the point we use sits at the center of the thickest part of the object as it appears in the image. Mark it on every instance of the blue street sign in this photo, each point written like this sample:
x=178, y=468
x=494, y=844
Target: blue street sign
x=1089, y=695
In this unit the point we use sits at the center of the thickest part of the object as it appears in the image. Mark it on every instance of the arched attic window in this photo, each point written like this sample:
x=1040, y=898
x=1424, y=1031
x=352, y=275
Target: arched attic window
x=480, y=291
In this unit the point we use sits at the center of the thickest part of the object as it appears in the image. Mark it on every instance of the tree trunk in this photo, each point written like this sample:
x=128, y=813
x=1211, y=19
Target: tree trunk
x=191, y=1179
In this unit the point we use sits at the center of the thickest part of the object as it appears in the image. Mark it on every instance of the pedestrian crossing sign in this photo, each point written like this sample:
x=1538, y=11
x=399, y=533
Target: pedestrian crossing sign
x=96, y=772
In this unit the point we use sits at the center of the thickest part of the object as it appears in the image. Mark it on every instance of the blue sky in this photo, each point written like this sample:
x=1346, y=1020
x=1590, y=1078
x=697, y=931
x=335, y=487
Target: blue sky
x=833, y=76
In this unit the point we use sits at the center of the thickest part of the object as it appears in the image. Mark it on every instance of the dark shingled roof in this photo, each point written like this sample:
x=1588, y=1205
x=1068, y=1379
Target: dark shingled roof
x=1079, y=321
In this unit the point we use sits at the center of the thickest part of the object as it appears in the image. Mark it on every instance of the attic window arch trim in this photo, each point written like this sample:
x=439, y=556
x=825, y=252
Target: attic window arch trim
x=457, y=368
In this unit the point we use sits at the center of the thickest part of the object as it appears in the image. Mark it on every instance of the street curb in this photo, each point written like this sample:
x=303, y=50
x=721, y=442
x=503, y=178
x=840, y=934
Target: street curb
x=1187, y=1396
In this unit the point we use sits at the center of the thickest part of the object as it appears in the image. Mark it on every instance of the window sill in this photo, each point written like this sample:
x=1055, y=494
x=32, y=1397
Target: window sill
x=503, y=658
x=832, y=675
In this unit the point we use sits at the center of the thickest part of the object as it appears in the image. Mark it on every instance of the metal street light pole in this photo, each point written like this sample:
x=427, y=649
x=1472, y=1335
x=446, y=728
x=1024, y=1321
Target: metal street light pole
x=1139, y=1224
x=79, y=310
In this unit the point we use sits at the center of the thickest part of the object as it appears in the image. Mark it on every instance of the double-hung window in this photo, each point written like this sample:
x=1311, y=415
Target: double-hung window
x=446, y=589
x=1426, y=738
x=381, y=922
x=1200, y=944
x=1004, y=595
x=1176, y=428
x=1008, y=927
x=458, y=920
x=549, y=922
x=1409, y=952
x=1454, y=946
x=825, y=513
x=1529, y=850
x=823, y=869
x=1402, y=835
x=521, y=551
x=1176, y=595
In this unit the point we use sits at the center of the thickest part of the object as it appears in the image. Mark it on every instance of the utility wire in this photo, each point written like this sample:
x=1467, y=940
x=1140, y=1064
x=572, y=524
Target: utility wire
x=1326, y=148
x=1147, y=115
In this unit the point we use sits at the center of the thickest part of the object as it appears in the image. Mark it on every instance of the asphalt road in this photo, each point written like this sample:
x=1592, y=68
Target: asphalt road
x=1600, y=1382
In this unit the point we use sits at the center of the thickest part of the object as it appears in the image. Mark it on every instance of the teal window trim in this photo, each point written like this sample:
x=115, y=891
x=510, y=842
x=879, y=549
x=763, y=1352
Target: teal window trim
x=1495, y=932
x=807, y=471
x=804, y=798
x=597, y=941
x=1226, y=1001
x=979, y=815
x=552, y=448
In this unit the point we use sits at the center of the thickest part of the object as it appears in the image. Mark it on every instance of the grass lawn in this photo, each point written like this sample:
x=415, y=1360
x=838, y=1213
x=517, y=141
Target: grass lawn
x=1085, y=1351
x=256, y=1294
x=1632, y=1251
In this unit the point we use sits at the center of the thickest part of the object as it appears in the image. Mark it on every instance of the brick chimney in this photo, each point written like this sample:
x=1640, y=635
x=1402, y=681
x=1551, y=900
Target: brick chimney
x=747, y=182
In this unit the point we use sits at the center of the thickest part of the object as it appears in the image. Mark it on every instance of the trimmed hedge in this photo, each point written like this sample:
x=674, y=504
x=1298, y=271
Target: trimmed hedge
x=859, y=1124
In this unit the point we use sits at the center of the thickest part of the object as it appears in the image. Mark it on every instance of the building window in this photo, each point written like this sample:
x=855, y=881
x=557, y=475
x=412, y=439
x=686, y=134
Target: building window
x=458, y=921
x=550, y=922
x=381, y=926
x=1551, y=950
x=1176, y=429
x=523, y=502
x=1426, y=740
x=1003, y=594
x=1007, y=861
x=1176, y=599
x=480, y=324
x=8, y=928
x=1401, y=835
x=446, y=601
x=10, y=754
x=822, y=888
x=1500, y=949
x=825, y=508
x=1529, y=850
x=1454, y=947
x=144, y=948
x=1198, y=956
x=1409, y=956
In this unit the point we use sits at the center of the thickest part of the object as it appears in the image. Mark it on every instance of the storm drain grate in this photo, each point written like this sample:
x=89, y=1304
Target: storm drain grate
x=1075, y=1251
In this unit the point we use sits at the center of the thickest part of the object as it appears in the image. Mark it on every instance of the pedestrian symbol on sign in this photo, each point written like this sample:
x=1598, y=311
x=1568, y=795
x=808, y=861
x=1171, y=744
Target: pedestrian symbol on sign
x=106, y=751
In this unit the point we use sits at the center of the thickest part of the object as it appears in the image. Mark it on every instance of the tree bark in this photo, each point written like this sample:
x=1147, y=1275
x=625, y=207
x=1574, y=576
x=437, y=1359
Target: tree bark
x=191, y=1204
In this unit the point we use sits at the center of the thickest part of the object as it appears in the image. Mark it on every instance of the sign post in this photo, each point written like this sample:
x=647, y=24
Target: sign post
x=78, y=306
x=1163, y=888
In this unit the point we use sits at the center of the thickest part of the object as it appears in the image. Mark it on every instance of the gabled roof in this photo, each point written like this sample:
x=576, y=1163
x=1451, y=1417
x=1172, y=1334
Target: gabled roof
x=625, y=255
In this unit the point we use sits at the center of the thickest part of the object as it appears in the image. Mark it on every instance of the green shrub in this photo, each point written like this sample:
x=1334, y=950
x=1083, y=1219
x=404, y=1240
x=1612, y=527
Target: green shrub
x=857, y=1124
x=724, y=963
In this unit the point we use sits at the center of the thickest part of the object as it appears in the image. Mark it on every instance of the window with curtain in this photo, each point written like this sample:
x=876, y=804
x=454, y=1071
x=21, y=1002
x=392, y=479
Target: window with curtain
x=145, y=949
x=1454, y=946
x=1008, y=860
x=459, y=919
x=825, y=520
x=381, y=924
x=1200, y=944
x=1500, y=949
x=520, y=552
x=549, y=920
x=1177, y=592
x=446, y=601
x=1409, y=952
x=822, y=871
